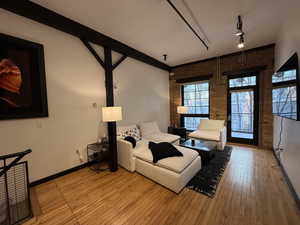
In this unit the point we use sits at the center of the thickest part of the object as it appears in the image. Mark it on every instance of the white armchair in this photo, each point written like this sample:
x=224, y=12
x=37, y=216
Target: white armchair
x=211, y=130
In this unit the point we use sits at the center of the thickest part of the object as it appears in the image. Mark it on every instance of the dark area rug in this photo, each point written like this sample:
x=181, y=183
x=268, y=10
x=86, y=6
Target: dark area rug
x=207, y=179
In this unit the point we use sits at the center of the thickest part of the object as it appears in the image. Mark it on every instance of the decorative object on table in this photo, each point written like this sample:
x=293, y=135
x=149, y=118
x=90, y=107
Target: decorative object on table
x=97, y=153
x=181, y=131
x=22, y=79
x=207, y=179
x=111, y=114
x=193, y=142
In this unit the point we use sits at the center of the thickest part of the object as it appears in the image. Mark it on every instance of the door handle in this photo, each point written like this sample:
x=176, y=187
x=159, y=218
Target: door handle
x=229, y=118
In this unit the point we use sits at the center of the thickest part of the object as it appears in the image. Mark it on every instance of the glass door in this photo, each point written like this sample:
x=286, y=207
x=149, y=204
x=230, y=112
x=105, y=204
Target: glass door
x=243, y=114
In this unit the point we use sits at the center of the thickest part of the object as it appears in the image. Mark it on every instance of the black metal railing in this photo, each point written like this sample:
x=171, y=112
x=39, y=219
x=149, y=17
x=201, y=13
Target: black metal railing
x=15, y=204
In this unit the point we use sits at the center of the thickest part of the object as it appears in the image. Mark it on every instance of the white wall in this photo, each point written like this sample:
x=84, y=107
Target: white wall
x=288, y=39
x=290, y=143
x=141, y=91
x=74, y=82
x=288, y=42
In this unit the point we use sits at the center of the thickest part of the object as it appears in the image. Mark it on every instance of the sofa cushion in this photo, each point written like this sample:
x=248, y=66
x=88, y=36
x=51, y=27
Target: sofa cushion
x=133, y=131
x=211, y=125
x=175, y=164
x=148, y=128
x=206, y=135
x=162, y=137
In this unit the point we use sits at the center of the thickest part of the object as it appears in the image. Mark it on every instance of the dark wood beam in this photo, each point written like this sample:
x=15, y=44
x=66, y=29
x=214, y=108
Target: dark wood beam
x=244, y=71
x=111, y=126
x=194, y=79
x=45, y=16
x=94, y=53
x=119, y=61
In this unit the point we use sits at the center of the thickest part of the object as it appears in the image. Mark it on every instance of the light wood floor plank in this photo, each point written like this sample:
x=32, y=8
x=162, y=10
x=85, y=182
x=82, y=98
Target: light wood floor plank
x=252, y=192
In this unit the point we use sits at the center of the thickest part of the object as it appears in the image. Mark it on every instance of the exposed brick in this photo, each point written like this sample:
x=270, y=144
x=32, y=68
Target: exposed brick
x=218, y=87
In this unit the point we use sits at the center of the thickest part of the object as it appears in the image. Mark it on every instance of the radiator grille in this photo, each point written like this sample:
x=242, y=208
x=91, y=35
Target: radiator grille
x=14, y=195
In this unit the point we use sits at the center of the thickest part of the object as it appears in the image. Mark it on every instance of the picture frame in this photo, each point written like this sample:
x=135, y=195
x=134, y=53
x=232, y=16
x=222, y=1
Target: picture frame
x=23, y=92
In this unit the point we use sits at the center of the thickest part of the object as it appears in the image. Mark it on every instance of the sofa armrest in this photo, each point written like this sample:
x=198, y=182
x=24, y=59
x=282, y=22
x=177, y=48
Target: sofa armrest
x=126, y=158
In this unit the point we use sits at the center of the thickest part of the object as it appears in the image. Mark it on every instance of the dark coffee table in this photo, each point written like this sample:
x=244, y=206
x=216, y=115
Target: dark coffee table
x=204, y=148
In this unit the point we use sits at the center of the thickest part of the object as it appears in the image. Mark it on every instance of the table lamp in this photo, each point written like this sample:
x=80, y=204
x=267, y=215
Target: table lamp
x=182, y=109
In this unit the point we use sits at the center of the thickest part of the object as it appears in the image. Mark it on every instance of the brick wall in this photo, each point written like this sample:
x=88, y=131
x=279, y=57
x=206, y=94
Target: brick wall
x=263, y=56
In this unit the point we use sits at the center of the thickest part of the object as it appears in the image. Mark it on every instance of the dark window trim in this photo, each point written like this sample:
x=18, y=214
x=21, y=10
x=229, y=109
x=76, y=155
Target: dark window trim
x=255, y=88
x=291, y=64
x=284, y=83
x=195, y=79
x=244, y=72
x=194, y=115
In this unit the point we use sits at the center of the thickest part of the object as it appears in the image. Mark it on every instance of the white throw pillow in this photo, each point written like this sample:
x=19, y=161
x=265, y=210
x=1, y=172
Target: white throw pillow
x=132, y=131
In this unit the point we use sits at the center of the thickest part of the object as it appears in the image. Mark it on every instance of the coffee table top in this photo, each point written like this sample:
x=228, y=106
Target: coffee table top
x=200, y=145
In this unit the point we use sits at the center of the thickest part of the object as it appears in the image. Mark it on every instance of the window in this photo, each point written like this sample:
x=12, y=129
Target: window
x=196, y=98
x=284, y=94
x=284, y=76
x=242, y=82
x=242, y=108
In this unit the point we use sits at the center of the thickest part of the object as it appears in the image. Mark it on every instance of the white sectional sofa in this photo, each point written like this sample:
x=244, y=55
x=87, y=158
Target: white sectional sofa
x=150, y=131
x=173, y=173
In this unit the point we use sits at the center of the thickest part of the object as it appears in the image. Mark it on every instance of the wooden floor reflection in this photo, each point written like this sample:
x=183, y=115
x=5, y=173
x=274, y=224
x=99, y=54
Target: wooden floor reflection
x=252, y=192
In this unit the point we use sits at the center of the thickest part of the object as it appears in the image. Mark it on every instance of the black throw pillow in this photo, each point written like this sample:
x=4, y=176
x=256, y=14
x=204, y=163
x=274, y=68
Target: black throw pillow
x=131, y=140
x=163, y=150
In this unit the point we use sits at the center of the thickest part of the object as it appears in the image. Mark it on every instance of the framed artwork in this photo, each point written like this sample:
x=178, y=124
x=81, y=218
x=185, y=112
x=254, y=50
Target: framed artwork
x=23, y=91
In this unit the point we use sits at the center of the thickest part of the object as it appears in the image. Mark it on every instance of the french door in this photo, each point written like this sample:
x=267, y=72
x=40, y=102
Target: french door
x=243, y=113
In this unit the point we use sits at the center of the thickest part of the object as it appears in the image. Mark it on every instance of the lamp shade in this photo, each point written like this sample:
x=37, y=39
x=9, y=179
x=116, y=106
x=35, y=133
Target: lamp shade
x=182, y=109
x=111, y=114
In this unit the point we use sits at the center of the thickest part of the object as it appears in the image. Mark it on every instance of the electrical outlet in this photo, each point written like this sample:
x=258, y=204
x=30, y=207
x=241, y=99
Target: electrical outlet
x=79, y=155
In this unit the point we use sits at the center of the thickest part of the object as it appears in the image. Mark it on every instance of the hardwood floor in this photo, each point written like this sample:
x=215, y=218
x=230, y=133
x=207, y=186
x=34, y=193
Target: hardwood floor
x=252, y=192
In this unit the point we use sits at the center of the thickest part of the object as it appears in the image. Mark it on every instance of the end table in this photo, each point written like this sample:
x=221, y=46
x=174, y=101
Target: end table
x=96, y=154
x=180, y=131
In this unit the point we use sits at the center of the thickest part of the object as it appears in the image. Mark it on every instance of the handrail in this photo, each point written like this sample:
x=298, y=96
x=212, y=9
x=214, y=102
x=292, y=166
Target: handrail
x=18, y=155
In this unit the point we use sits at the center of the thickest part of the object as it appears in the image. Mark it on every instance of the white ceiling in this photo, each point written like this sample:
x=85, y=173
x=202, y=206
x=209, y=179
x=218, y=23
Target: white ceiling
x=152, y=27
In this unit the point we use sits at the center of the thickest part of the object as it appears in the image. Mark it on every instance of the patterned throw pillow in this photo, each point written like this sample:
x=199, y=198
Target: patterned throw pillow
x=132, y=131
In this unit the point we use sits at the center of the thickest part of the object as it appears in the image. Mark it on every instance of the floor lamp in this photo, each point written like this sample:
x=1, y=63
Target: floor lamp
x=111, y=115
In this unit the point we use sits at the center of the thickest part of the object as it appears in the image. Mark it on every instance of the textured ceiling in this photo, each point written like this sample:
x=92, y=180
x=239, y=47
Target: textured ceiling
x=152, y=27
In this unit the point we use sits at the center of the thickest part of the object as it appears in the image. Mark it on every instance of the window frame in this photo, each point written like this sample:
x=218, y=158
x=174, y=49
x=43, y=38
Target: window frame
x=286, y=84
x=182, y=116
x=256, y=90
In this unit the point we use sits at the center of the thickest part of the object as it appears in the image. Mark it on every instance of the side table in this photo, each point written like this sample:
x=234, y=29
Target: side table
x=96, y=154
x=180, y=131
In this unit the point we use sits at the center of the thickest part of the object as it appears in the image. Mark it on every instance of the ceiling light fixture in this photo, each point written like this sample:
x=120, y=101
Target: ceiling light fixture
x=240, y=33
x=241, y=43
x=165, y=57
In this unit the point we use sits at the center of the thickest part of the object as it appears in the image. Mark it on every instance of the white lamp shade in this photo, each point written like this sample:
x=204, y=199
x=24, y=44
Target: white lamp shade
x=111, y=114
x=182, y=109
